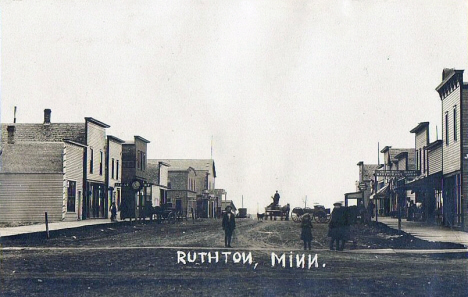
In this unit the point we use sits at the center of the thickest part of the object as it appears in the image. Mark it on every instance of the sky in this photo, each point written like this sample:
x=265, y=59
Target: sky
x=284, y=95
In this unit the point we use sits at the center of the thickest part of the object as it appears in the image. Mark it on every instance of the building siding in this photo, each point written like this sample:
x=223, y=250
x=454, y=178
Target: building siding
x=97, y=141
x=451, y=152
x=115, y=152
x=435, y=160
x=26, y=197
x=142, y=147
x=464, y=152
x=73, y=169
x=421, y=141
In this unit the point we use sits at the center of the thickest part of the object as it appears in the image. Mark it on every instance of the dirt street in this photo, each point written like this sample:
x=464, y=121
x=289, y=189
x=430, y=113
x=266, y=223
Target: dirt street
x=188, y=259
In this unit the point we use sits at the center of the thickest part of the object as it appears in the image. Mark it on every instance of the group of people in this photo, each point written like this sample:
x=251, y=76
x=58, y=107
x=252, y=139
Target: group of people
x=338, y=228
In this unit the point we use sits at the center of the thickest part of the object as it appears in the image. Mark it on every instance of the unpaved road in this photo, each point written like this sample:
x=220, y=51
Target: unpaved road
x=142, y=260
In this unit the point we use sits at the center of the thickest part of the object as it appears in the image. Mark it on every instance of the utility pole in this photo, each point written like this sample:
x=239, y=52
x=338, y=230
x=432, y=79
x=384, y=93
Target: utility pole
x=305, y=202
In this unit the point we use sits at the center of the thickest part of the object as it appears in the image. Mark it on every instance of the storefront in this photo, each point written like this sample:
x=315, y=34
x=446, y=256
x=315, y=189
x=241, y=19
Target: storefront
x=95, y=202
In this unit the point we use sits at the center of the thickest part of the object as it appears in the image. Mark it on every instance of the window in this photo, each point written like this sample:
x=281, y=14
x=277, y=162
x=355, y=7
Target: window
x=143, y=161
x=117, y=173
x=455, y=123
x=417, y=160
x=446, y=129
x=91, y=161
x=101, y=156
x=138, y=159
x=424, y=161
x=71, y=196
x=420, y=161
x=113, y=167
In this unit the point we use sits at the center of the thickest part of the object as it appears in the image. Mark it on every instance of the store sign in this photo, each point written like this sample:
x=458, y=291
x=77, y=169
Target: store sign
x=397, y=173
x=362, y=186
x=135, y=184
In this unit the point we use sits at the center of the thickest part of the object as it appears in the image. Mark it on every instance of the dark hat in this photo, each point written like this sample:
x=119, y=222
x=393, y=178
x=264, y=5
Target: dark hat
x=337, y=204
x=229, y=206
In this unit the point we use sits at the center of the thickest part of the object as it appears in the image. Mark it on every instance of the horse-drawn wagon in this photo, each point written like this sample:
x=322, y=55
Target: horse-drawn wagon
x=167, y=213
x=274, y=211
x=319, y=213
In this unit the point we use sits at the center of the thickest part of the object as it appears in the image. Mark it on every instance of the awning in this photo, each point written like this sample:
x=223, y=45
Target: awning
x=382, y=193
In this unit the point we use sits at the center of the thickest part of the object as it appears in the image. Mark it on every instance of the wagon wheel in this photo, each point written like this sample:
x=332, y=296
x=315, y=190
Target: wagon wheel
x=321, y=217
x=171, y=217
x=295, y=217
x=296, y=214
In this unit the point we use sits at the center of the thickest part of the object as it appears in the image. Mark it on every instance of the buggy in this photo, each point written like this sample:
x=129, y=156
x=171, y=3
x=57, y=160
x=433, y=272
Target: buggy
x=319, y=213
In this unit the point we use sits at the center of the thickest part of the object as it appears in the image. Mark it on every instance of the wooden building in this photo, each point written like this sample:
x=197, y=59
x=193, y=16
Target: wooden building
x=136, y=188
x=39, y=177
x=453, y=93
x=88, y=137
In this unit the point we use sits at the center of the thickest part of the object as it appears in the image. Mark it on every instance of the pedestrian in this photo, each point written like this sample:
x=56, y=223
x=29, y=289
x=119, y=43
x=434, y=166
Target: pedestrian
x=306, y=233
x=411, y=210
x=337, y=227
x=370, y=210
x=229, y=224
x=362, y=212
x=113, y=212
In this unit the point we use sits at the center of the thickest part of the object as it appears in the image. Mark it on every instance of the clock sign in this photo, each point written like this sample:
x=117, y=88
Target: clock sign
x=136, y=185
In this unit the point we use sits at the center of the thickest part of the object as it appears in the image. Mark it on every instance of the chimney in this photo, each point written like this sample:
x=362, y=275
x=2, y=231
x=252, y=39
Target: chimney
x=11, y=134
x=47, y=113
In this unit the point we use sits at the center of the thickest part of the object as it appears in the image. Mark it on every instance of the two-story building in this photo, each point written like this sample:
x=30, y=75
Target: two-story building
x=206, y=201
x=384, y=194
x=136, y=188
x=363, y=184
x=158, y=176
x=453, y=93
x=114, y=171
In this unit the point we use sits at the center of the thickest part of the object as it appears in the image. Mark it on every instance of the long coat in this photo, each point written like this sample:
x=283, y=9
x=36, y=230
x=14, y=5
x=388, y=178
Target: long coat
x=338, y=223
x=306, y=233
x=229, y=222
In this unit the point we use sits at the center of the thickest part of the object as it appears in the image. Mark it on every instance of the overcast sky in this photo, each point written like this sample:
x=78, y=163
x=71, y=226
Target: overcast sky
x=293, y=93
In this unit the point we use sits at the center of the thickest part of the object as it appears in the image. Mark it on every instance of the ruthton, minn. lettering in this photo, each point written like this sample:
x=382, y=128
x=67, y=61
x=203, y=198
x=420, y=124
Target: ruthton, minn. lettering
x=284, y=260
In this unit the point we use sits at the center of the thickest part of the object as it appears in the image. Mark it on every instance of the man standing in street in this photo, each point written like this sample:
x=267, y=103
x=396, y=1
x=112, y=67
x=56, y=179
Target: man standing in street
x=229, y=224
x=337, y=227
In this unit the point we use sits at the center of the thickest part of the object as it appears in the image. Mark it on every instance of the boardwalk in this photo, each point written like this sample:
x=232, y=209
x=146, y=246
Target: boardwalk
x=431, y=233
